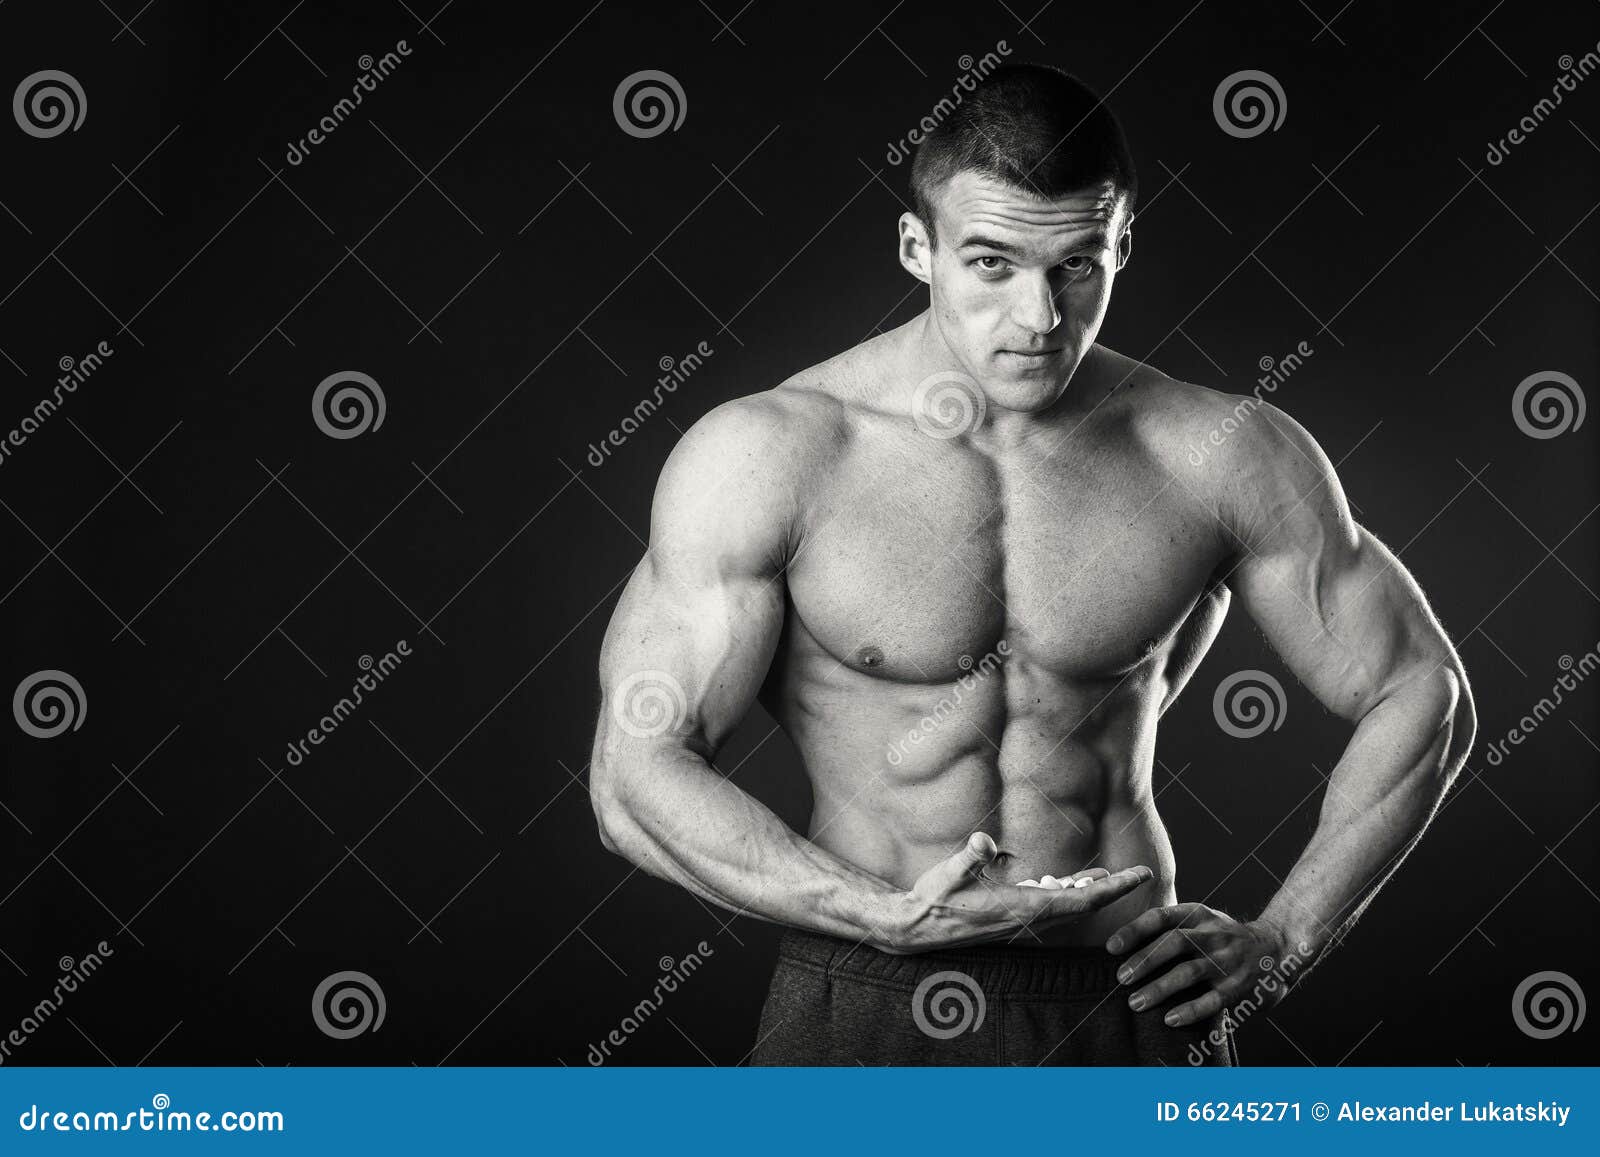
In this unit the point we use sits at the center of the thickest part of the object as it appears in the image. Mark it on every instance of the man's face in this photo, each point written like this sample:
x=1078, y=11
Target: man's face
x=1020, y=285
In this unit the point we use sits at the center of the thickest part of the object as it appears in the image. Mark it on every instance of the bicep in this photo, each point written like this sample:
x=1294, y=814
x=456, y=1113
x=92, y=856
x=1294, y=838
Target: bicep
x=686, y=652
x=1336, y=604
x=698, y=622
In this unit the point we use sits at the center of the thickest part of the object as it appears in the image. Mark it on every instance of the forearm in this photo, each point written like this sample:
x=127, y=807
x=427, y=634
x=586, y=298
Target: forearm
x=677, y=818
x=1380, y=797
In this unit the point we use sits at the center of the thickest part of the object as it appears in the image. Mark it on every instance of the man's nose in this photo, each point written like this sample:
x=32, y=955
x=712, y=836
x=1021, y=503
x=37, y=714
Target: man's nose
x=1034, y=307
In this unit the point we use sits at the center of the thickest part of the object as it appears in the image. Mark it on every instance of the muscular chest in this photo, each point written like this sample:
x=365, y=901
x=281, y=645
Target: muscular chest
x=917, y=564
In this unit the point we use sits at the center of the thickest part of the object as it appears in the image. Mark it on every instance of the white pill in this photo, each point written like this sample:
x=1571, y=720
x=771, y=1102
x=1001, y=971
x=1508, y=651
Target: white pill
x=1050, y=882
x=1083, y=883
x=1029, y=884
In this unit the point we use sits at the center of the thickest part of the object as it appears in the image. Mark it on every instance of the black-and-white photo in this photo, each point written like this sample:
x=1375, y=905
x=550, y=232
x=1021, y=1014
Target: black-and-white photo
x=745, y=534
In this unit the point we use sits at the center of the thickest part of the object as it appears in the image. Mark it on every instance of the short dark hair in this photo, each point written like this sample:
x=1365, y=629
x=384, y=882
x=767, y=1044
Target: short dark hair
x=1032, y=126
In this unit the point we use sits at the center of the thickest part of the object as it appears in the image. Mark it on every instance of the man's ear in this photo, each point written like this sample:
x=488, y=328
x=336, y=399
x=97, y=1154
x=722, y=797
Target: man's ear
x=916, y=248
x=1125, y=245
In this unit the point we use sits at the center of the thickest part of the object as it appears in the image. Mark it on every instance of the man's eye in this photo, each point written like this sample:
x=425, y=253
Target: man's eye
x=1077, y=265
x=984, y=263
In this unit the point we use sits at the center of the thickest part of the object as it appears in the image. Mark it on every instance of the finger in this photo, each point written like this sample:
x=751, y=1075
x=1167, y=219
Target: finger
x=1199, y=1009
x=955, y=870
x=1087, y=874
x=1168, y=946
x=1144, y=926
x=1172, y=982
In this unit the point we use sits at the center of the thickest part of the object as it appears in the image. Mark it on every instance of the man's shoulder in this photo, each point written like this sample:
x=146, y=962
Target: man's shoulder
x=790, y=429
x=748, y=461
x=1197, y=428
x=1241, y=457
x=786, y=427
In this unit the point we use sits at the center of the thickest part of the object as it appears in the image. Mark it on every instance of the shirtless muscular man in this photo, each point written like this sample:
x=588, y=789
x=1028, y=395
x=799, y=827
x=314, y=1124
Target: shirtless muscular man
x=986, y=531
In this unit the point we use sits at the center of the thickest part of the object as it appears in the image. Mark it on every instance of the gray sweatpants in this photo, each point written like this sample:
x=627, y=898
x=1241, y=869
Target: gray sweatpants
x=832, y=1002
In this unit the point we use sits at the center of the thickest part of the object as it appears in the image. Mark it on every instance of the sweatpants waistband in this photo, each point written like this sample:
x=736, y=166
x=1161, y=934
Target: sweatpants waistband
x=1000, y=970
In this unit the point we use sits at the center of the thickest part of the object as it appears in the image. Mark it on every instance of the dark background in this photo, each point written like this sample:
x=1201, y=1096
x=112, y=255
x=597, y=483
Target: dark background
x=485, y=188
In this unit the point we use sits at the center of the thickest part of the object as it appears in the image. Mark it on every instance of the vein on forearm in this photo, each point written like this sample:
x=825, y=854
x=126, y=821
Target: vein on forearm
x=1380, y=797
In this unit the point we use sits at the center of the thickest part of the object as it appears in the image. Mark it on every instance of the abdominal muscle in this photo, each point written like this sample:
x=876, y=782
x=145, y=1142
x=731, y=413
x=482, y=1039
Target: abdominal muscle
x=1059, y=792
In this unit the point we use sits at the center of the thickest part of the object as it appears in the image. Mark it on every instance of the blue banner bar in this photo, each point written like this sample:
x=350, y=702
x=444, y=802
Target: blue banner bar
x=799, y=1111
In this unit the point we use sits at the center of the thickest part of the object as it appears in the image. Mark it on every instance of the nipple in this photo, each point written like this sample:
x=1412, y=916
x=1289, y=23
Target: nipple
x=870, y=657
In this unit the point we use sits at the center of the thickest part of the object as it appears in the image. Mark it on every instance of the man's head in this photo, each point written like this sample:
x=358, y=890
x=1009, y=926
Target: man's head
x=1024, y=205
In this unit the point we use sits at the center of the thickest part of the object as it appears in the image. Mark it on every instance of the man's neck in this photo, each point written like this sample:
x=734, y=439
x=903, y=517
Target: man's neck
x=927, y=353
